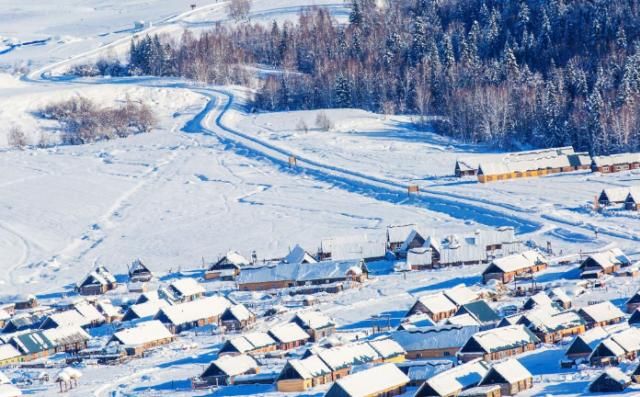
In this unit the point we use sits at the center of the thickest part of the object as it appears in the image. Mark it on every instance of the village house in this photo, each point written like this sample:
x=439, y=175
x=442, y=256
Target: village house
x=253, y=343
x=560, y=298
x=316, y=324
x=388, y=349
x=229, y=266
x=146, y=310
x=301, y=375
x=635, y=376
x=607, y=262
x=538, y=300
x=385, y=380
x=139, y=272
x=510, y=375
x=613, y=195
x=356, y=247
x=83, y=315
x=99, y=281
x=482, y=314
x=498, y=343
x=506, y=269
x=225, y=369
x=632, y=201
x=452, y=382
x=466, y=167
x=182, y=290
x=287, y=275
x=25, y=302
x=436, y=305
x=582, y=345
x=9, y=355
x=402, y=238
x=22, y=322
x=237, y=317
x=612, y=380
x=633, y=303
x=70, y=339
x=433, y=342
x=341, y=359
x=109, y=311
x=419, y=371
x=617, y=347
x=33, y=345
x=482, y=391
x=194, y=313
x=601, y=314
x=299, y=255
x=143, y=337
x=615, y=163
x=550, y=326
x=288, y=336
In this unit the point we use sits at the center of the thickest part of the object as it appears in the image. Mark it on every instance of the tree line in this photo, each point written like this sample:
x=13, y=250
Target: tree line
x=512, y=73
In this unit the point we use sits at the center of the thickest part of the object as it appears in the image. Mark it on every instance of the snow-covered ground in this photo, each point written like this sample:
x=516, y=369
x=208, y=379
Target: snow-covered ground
x=214, y=177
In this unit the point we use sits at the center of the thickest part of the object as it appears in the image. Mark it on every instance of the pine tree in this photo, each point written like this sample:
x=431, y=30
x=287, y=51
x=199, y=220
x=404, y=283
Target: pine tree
x=342, y=92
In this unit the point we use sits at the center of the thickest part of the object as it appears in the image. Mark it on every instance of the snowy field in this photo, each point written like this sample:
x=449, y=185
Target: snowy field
x=214, y=177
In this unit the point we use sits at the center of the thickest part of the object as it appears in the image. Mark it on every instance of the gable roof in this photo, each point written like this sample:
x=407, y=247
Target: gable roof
x=299, y=255
x=387, y=347
x=137, y=266
x=544, y=321
x=461, y=294
x=457, y=378
x=142, y=333
x=99, y=276
x=288, y=332
x=195, y=310
x=239, y=312
x=325, y=270
x=437, y=303
x=498, y=339
x=370, y=381
x=235, y=365
x=607, y=259
x=187, y=286
x=32, y=342
x=613, y=159
x=348, y=355
x=436, y=337
x=515, y=262
x=7, y=352
x=480, y=311
x=313, y=319
x=602, y=312
x=147, y=309
x=510, y=370
x=309, y=367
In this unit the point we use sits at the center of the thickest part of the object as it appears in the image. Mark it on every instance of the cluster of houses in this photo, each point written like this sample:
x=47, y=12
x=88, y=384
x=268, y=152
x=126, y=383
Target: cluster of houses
x=623, y=197
x=543, y=162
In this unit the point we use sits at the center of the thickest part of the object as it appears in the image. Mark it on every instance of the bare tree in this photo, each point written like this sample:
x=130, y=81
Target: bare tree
x=323, y=122
x=239, y=9
x=17, y=138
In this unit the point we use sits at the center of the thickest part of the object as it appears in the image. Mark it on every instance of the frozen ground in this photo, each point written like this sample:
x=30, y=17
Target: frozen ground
x=213, y=177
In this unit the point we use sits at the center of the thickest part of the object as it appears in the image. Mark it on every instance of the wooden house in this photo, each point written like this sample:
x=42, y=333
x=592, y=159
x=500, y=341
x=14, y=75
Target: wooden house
x=355, y=247
x=633, y=303
x=499, y=343
x=301, y=375
x=225, y=369
x=143, y=337
x=612, y=380
x=109, y=311
x=341, y=359
x=613, y=195
x=99, y=281
x=466, y=167
x=385, y=380
x=288, y=336
x=253, y=343
x=232, y=264
x=26, y=302
x=482, y=391
x=146, y=310
x=635, y=376
x=33, y=345
x=481, y=313
x=402, y=238
x=538, y=300
x=182, y=290
x=316, y=324
x=192, y=314
x=615, y=163
x=22, y=322
x=607, y=262
x=506, y=269
x=436, y=305
x=553, y=327
x=237, y=317
x=510, y=375
x=139, y=272
x=70, y=339
x=287, y=275
x=433, y=342
x=582, y=345
x=388, y=349
x=452, y=382
x=560, y=298
x=530, y=164
x=632, y=201
x=622, y=345
x=601, y=314
x=9, y=355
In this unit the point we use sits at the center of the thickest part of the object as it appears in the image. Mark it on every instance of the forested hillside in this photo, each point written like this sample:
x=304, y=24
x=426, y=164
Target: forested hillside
x=531, y=72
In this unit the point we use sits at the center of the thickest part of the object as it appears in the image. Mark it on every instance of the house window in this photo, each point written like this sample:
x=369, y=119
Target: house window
x=446, y=354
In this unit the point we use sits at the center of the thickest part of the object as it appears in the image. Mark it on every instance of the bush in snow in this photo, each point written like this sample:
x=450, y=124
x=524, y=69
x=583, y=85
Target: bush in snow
x=239, y=9
x=17, y=139
x=323, y=122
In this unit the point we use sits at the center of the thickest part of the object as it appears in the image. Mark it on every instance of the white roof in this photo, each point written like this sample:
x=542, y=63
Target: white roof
x=461, y=295
x=437, y=303
x=195, y=310
x=497, y=338
x=149, y=308
x=559, y=294
x=145, y=332
x=4, y=379
x=289, y=332
x=458, y=378
x=387, y=348
x=529, y=160
x=69, y=318
x=545, y=320
x=614, y=159
x=7, y=351
x=604, y=311
x=89, y=312
x=373, y=380
x=463, y=319
x=512, y=370
x=314, y=319
x=610, y=258
x=541, y=299
x=310, y=367
x=616, y=374
x=354, y=247
x=298, y=255
x=240, y=312
x=187, y=286
x=616, y=194
x=354, y=353
x=515, y=262
x=259, y=339
x=241, y=344
x=108, y=308
x=628, y=339
x=61, y=335
x=236, y=365
x=9, y=390
x=237, y=259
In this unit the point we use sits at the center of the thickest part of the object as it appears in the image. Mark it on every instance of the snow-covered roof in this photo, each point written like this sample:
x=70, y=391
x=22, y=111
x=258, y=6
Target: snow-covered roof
x=289, y=332
x=347, y=355
x=187, y=286
x=628, y=339
x=602, y=312
x=195, y=310
x=437, y=303
x=65, y=335
x=457, y=378
x=613, y=159
x=436, y=337
x=467, y=164
x=615, y=374
x=259, y=339
x=462, y=319
x=399, y=233
x=298, y=255
x=354, y=247
x=236, y=365
x=461, y=294
x=504, y=337
x=108, y=308
x=616, y=194
x=511, y=370
x=544, y=320
x=310, y=367
x=559, y=294
x=142, y=333
x=138, y=266
x=387, y=347
x=240, y=312
x=314, y=319
x=69, y=318
x=89, y=311
x=149, y=308
x=99, y=275
x=241, y=344
x=540, y=299
x=372, y=381
x=298, y=271
x=7, y=351
x=610, y=258
x=515, y=262
x=528, y=161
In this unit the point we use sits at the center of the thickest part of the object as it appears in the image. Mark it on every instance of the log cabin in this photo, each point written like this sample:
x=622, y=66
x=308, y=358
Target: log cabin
x=623, y=345
x=99, y=281
x=510, y=375
x=237, y=317
x=139, y=272
x=288, y=336
x=452, y=382
x=232, y=263
x=552, y=327
x=192, y=314
x=301, y=375
x=316, y=324
x=496, y=344
x=607, y=262
x=506, y=269
x=182, y=290
x=436, y=305
x=433, y=342
x=601, y=314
